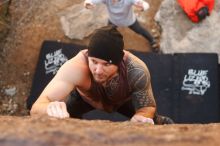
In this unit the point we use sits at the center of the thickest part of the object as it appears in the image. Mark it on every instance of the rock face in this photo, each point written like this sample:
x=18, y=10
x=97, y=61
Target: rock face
x=4, y=22
x=78, y=22
x=44, y=131
x=179, y=34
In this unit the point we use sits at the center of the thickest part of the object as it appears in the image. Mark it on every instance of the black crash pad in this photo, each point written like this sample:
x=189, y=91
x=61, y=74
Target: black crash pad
x=185, y=85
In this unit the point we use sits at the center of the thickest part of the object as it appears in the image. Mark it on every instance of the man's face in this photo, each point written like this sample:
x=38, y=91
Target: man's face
x=101, y=70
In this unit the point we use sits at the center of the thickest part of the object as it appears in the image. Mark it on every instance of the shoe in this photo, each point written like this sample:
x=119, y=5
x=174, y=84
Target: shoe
x=155, y=47
x=161, y=120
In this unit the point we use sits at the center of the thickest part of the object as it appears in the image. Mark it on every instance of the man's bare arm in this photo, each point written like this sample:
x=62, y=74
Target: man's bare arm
x=51, y=100
x=142, y=95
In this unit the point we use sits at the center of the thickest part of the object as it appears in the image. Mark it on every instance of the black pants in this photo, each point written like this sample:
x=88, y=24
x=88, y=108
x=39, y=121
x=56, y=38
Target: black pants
x=136, y=27
x=76, y=107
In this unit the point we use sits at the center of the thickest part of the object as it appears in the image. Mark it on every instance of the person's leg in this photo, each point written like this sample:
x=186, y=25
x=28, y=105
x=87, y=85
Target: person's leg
x=76, y=106
x=136, y=27
x=110, y=23
x=127, y=109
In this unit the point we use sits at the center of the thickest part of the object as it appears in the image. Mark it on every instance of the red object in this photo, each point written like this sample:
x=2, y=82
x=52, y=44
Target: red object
x=192, y=6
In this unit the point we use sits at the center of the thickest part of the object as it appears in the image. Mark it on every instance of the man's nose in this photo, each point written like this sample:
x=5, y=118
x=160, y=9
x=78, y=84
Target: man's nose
x=99, y=69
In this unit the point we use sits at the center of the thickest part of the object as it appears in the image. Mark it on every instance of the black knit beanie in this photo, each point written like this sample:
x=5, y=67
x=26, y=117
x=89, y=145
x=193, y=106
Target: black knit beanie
x=107, y=43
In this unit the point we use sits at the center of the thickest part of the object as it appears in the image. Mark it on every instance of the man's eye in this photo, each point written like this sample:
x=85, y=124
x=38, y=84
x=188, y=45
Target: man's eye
x=107, y=64
x=94, y=62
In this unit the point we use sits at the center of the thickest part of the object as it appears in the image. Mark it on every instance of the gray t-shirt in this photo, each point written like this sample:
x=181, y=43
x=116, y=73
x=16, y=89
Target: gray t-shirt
x=120, y=13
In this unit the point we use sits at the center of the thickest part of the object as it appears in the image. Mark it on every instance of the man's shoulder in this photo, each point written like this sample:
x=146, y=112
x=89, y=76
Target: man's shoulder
x=78, y=63
x=133, y=61
x=80, y=57
x=75, y=70
x=135, y=67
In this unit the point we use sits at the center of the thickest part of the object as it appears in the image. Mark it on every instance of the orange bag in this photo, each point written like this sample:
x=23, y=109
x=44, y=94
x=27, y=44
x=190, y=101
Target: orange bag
x=197, y=10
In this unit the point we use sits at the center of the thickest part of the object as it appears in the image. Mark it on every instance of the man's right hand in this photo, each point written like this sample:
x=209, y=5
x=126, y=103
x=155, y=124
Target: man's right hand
x=57, y=109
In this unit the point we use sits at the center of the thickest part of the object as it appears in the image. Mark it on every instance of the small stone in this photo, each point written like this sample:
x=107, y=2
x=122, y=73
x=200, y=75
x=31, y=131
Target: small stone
x=10, y=91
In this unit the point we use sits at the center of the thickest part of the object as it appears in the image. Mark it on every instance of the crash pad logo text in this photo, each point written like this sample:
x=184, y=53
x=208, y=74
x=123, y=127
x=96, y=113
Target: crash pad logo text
x=196, y=82
x=54, y=60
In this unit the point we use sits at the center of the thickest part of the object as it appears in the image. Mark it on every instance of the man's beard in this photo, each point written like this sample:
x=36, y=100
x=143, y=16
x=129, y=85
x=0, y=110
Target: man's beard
x=100, y=79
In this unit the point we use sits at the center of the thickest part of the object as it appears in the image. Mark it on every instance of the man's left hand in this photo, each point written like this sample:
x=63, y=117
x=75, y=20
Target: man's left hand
x=142, y=119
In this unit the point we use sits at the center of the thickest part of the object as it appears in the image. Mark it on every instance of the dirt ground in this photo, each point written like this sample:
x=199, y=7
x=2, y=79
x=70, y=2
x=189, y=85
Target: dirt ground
x=19, y=51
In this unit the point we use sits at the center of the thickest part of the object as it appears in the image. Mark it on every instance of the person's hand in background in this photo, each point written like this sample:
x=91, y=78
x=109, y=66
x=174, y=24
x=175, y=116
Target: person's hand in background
x=88, y=5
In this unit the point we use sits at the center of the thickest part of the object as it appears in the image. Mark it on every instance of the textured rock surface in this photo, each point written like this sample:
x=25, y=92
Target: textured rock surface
x=78, y=22
x=181, y=35
x=43, y=131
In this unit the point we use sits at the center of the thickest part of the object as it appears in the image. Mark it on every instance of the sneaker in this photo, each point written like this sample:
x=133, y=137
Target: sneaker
x=155, y=47
x=161, y=120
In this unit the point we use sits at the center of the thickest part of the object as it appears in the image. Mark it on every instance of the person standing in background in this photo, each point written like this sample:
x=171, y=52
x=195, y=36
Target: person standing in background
x=121, y=14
